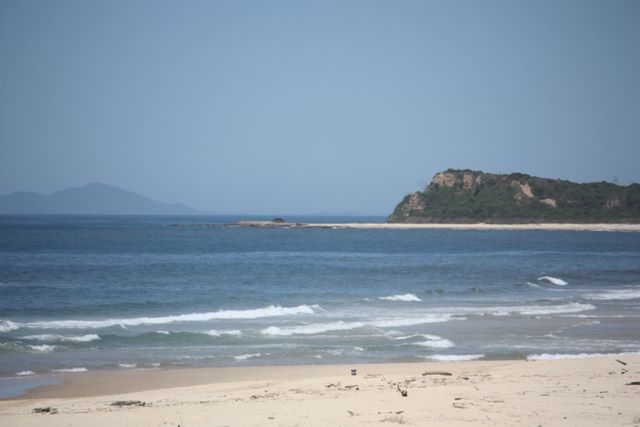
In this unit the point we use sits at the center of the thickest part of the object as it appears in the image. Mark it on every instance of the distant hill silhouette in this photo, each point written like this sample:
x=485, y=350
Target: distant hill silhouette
x=92, y=199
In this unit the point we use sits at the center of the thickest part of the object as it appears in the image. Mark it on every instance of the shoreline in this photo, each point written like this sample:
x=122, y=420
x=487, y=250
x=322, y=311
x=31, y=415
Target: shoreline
x=587, y=391
x=615, y=227
x=485, y=226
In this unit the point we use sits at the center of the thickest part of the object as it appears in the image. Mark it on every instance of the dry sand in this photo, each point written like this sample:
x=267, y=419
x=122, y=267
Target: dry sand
x=575, y=392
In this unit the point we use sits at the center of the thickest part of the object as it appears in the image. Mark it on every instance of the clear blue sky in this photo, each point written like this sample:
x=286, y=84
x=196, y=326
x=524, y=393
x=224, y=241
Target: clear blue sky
x=313, y=106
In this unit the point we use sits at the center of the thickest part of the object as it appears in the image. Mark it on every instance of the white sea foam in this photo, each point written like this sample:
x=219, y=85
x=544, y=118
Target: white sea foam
x=270, y=311
x=403, y=297
x=538, y=310
x=432, y=341
x=43, y=348
x=7, y=325
x=533, y=285
x=318, y=328
x=216, y=333
x=314, y=328
x=454, y=357
x=553, y=280
x=62, y=338
x=25, y=373
x=618, y=294
x=560, y=356
x=163, y=332
x=127, y=365
x=247, y=356
x=70, y=370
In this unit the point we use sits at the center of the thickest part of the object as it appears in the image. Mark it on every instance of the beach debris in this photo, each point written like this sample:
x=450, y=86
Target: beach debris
x=403, y=392
x=354, y=372
x=621, y=362
x=333, y=385
x=45, y=410
x=353, y=386
x=448, y=374
x=634, y=383
x=128, y=403
x=394, y=419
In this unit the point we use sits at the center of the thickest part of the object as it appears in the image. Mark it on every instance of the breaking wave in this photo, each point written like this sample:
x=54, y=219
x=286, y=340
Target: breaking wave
x=553, y=280
x=62, y=338
x=318, y=328
x=270, y=311
x=247, y=356
x=560, y=356
x=432, y=341
x=403, y=297
x=619, y=294
x=70, y=370
x=454, y=357
x=216, y=333
x=44, y=348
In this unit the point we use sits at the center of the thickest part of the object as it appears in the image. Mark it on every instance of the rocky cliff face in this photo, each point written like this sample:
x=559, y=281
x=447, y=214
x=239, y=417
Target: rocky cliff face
x=466, y=196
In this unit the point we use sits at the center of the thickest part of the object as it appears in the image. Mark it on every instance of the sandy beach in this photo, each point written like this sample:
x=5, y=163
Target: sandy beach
x=574, y=392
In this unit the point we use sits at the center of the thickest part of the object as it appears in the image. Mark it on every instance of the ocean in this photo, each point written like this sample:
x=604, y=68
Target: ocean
x=91, y=293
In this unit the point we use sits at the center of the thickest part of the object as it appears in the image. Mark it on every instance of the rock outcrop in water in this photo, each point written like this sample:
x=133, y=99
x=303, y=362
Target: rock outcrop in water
x=466, y=196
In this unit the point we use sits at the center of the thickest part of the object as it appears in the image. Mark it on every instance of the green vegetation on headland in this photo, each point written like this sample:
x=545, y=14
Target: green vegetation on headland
x=466, y=196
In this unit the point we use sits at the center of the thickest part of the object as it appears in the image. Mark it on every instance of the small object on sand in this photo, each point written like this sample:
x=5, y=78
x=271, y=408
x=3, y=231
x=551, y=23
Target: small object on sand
x=403, y=393
x=634, y=383
x=45, y=410
x=128, y=403
x=621, y=362
x=354, y=372
x=448, y=374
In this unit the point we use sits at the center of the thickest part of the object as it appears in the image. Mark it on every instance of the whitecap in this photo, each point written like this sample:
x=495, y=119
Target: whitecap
x=454, y=357
x=553, y=280
x=43, y=348
x=216, y=333
x=537, y=310
x=617, y=294
x=432, y=341
x=247, y=356
x=270, y=311
x=127, y=365
x=7, y=325
x=62, y=338
x=318, y=328
x=403, y=297
x=25, y=373
x=561, y=356
x=70, y=370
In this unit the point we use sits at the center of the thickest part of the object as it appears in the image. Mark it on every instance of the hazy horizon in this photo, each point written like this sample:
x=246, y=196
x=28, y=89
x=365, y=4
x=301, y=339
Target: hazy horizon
x=308, y=107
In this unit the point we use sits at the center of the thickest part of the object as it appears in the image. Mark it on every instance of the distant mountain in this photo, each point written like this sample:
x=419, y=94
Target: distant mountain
x=466, y=196
x=92, y=199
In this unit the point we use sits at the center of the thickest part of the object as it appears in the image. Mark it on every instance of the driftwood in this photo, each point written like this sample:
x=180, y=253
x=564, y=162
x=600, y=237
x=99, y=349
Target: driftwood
x=128, y=403
x=621, y=362
x=448, y=374
x=634, y=383
x=45, y=410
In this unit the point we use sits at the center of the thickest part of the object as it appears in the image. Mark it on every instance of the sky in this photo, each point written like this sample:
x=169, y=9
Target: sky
x=302, y=107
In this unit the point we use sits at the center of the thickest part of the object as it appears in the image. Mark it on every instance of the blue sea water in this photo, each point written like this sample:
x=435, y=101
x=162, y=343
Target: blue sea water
x=88, y=293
